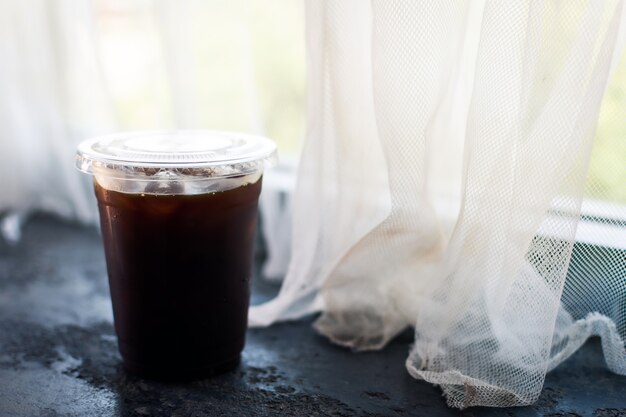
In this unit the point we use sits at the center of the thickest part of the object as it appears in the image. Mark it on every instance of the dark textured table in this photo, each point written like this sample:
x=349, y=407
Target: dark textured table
x=58, y=356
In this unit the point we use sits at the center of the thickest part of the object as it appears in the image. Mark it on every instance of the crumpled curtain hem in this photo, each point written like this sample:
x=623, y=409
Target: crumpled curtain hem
x=463, y=391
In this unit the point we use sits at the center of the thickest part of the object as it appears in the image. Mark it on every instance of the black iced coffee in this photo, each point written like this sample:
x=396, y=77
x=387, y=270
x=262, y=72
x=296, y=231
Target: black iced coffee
x=178, y=245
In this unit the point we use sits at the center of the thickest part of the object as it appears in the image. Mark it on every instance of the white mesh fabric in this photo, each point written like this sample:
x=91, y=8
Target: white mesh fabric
x=441, y=186
x=487, y=335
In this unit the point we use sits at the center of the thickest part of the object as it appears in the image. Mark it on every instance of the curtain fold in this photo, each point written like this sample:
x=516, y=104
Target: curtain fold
x=441, y=186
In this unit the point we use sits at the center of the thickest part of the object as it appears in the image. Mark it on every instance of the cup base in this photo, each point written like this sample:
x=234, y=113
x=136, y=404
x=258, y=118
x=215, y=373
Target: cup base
x=160, y=373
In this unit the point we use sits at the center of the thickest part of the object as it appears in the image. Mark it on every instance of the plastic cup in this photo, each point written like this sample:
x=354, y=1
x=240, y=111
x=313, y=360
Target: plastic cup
x=178, y=213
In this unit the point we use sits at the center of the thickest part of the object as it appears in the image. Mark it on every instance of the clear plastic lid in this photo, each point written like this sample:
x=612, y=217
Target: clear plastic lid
x=146, y=156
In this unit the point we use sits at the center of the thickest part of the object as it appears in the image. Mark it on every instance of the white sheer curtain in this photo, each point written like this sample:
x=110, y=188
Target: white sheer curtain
x=441, y=186
x=71, y=69
x=51, y=96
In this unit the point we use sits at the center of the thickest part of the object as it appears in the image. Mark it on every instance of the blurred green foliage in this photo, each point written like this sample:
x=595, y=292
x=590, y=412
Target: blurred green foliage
x=607, y=171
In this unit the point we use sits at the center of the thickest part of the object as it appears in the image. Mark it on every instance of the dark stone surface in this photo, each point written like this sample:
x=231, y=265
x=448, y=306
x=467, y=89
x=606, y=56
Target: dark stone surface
x=58, y=356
